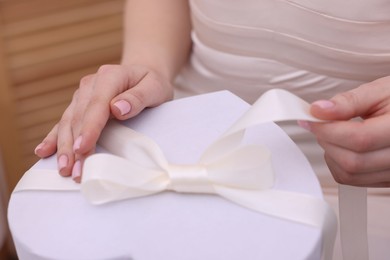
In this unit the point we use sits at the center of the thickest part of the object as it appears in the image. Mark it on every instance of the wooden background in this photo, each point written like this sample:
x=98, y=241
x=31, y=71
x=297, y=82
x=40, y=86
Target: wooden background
x=46, y=46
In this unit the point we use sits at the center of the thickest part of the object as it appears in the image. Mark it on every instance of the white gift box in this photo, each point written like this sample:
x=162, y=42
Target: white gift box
x=169, y=225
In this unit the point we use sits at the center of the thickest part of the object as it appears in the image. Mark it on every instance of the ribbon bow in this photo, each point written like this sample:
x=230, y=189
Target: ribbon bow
x=139, y=168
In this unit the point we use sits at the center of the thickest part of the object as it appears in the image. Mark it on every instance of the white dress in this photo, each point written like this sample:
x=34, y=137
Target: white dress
x=312, y=48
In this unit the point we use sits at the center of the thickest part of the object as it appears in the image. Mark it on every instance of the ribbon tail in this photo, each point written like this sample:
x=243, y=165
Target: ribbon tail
x=353, y=216
x=273, y=106
x=100, y=192
x=297, y=207
x=45, y=180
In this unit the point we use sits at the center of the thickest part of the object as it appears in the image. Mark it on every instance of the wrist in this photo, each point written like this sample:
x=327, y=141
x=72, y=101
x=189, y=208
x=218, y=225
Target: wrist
x=153, y=60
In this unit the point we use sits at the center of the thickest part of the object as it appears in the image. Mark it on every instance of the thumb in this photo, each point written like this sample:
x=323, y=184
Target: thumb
x=149, y=92
x=347, y=105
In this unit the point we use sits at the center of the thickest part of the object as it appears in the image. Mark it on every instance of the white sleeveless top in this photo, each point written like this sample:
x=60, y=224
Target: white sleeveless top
x=312, y=48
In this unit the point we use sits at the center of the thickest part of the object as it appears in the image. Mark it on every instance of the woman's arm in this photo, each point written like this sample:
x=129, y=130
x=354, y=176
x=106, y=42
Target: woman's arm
x=156, y=45
x=157, y=35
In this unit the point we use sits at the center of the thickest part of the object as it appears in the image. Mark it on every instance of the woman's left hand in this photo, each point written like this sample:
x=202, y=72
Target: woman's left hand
x=357, y=151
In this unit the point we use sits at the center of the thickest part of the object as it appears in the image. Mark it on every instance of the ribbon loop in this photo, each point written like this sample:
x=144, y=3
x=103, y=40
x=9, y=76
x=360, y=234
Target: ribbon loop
x=189, y=179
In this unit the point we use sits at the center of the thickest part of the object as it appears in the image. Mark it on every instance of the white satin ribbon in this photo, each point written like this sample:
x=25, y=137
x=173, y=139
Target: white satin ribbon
x=242, y=174
x=353, y=222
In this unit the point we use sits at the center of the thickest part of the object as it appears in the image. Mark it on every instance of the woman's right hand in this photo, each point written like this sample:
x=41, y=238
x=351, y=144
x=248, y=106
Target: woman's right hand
x=114, y=90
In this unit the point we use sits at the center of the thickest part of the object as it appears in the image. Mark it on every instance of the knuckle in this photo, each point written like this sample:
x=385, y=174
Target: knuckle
x=74, y=121
x=352, y=163
x=114, y=75
x=64, y=122
x=83, y=90
x=361, y=140
x=343, y=178
x=86, y=80
x=107, y=68
x=339, y=175
x=348, y=96
x=351, y=98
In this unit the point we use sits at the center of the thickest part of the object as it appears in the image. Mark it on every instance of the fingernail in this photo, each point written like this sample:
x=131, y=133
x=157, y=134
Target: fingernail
x=39, y=147
x=76, y=171
x=62, y=162
x=123, y=106
x=324, y=104
x=304, y=125
x=77, y=143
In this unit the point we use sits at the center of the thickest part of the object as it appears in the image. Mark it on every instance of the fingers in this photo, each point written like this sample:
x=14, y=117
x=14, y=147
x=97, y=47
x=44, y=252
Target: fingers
x=80, y=102
x=372, y=179
x=69, y=126
x=355, y=162
x=358, y=136
x=357, y=152
x=65, y=155
x=108, y=83
x=78, y=165
x=49, y=145
x=369, y=99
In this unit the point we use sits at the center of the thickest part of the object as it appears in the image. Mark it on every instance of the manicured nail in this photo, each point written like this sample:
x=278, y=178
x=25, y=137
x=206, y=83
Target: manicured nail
x=324, y=104
x=62, y=162
x=123, y=106
x=39, y=147
x=76, y=171
x=304, y=125
x=77, y=143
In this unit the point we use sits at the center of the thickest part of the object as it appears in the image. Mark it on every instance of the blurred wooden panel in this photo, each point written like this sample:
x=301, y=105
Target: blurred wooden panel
x=46, y=47
x=67, y=64
x=52, y=83
x=3, y=252
x=62, y=50
x=41, y=116
x=23, y=9
x=37, y=132
x=63, y=34
x=75, y=14
x=45, y=100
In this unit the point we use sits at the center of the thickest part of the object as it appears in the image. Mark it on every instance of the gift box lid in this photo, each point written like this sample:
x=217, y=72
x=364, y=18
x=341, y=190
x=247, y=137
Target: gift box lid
x=169, y=225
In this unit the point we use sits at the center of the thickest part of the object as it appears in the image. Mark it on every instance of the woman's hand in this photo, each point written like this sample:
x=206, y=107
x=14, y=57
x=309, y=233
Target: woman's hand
x=115, y=90
x=156, y=35
x=357, y=151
